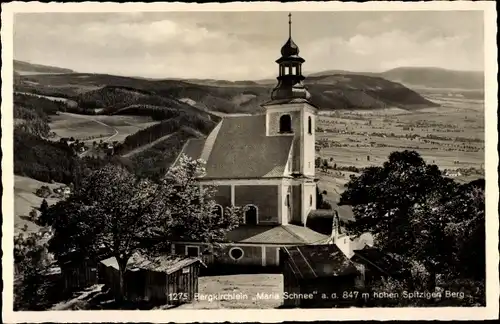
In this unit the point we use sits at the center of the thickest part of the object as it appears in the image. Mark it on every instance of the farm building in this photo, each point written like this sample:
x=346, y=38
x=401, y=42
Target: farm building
x=318, y=275
x=264, y=163
x=169, y=279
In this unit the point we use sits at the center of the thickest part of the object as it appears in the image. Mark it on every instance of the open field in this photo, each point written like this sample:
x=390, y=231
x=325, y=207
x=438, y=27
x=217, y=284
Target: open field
x=25, y=200
x=450, y=136
x=90, y=128
x=246, y=286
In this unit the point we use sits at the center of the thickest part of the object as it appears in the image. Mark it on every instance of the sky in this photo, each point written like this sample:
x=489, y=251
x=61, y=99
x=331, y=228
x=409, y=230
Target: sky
x=245, y=45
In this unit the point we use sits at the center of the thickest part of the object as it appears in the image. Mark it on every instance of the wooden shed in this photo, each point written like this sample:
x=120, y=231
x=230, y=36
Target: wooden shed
x=78, y=275
x=166, y=279
x=316, y=276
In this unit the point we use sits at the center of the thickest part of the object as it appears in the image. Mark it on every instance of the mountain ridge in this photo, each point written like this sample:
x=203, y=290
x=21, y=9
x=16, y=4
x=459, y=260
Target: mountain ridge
x=328, y=92
x=27, y=67
x=413, y=77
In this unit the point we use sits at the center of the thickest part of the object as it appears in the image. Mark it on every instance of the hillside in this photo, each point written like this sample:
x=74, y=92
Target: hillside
x=423, y=77
x=436, y=78
x=21, y=67
x=329, y=92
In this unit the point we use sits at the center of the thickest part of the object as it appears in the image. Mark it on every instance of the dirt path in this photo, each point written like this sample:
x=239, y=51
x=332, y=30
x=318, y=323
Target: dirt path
x=145, y=147
x=84, y=295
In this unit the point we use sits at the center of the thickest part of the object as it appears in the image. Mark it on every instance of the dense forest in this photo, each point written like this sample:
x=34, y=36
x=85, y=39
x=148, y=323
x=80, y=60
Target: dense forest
x=32, y=113
x=34, y=155
x=154, y=162
x=41, y=159
x=164, y=128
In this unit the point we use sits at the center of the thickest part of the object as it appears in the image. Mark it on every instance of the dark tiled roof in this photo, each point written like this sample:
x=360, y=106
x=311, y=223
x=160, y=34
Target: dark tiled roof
x=378, y=260
x=316, y=261
x=277, y=234
x=167, y=264
x=239, y=148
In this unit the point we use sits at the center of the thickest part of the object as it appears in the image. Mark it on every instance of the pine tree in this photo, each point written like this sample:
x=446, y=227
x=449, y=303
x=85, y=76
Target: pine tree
x=44, y=206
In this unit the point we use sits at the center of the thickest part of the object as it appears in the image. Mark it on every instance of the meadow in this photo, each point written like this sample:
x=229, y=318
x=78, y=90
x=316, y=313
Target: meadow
x=90, y=127
x=450, y=136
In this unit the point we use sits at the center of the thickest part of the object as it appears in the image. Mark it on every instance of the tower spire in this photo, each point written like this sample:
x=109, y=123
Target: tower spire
x=289, y=25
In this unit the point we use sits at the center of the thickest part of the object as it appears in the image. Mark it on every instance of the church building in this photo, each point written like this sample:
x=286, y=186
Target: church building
x=265, y=163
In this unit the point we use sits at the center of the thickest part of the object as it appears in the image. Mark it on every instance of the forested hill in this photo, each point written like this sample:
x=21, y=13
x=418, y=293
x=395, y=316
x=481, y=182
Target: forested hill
x=330, y=92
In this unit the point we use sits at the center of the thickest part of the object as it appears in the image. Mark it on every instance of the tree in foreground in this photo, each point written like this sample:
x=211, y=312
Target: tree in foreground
x=114, y=214
x=420, y=215
x=31, y=260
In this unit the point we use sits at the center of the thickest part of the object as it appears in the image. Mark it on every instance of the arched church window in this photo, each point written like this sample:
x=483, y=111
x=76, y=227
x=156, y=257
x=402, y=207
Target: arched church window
x=251, y=215
x=310, y=200
x=218, y=210
x=285, y=124
x=309, y=125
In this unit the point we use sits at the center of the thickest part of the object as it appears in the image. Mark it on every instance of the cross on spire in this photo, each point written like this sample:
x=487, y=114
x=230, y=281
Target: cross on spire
x=289, y=24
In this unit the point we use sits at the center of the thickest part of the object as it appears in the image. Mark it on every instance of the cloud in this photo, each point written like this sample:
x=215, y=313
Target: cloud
x=244, y=45
x=392, y=49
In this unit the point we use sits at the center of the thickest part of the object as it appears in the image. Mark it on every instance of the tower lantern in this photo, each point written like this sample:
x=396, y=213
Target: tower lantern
x=290, y=78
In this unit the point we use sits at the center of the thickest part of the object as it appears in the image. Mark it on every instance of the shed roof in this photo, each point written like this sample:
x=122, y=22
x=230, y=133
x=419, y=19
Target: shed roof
x=377, y=259
x=238, y=148
x=316, y=261
x=167, y=264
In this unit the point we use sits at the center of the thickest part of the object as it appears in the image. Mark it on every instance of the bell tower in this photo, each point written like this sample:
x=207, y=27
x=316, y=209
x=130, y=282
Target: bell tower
x=289, y=113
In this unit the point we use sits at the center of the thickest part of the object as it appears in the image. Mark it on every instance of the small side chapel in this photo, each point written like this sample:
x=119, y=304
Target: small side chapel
x=265, y=163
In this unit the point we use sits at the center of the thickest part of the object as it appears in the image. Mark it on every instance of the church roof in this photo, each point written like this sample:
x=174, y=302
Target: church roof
x=238, y=148
x=277, y=234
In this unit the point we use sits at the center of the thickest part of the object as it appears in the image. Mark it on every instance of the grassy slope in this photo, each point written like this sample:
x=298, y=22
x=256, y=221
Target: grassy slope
x=25, y=200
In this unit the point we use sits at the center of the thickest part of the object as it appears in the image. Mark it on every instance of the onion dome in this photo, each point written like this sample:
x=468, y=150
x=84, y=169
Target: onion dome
x=290, y=48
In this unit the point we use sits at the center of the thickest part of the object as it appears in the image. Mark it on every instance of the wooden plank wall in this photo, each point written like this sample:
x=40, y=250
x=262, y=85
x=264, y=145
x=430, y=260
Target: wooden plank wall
x=80, y=276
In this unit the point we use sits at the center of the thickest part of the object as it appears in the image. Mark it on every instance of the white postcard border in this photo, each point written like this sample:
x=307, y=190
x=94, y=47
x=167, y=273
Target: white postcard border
x=240, y=315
